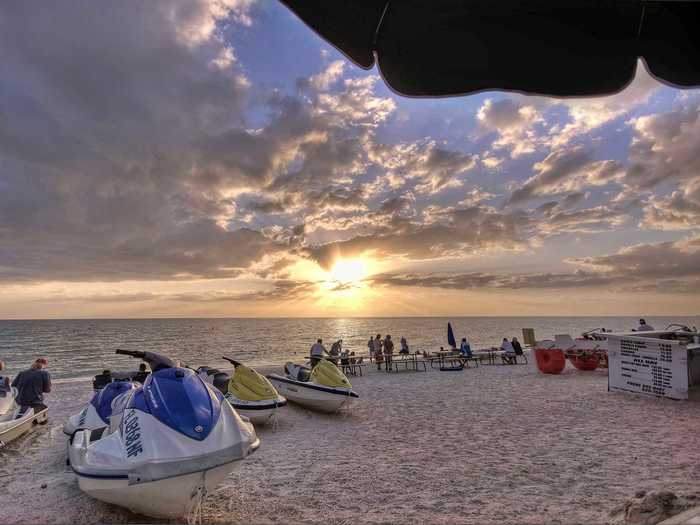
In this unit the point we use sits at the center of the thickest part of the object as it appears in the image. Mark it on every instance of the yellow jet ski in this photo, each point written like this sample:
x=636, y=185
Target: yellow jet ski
x=325, y=388
x=248, y=392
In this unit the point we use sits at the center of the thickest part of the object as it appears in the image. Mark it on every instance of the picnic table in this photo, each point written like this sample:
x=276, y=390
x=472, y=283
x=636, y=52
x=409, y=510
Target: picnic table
x=492, y=353
x=441, y=358
x=409, y=362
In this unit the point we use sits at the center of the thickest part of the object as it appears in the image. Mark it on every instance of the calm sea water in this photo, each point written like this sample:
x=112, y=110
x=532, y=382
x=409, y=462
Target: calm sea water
x=82, y=348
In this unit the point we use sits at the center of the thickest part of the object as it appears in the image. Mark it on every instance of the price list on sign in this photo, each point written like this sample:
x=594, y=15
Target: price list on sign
x=648, y=366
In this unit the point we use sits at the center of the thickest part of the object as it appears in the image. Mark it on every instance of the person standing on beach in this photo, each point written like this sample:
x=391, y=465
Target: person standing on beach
x=644, y=327
x=4, y=380
x=377, y=347
x=318, y=351
x=388, y=351
x=31, y=386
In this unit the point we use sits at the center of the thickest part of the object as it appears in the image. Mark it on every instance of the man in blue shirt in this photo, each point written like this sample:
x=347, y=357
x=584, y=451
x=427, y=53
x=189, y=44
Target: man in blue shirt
x=465, y=349
x=31, y=386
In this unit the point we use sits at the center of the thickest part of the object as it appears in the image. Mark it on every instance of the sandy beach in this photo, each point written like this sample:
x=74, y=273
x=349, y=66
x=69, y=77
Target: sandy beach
x=497, y=444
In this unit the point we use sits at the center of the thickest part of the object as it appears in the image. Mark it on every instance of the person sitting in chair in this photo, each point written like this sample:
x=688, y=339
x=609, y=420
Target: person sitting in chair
x=464, y=349
x=404, y=346
x=517, y=347
x=508, y=356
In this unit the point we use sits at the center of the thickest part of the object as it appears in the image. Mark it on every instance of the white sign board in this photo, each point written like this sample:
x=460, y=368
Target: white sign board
x=656, y=367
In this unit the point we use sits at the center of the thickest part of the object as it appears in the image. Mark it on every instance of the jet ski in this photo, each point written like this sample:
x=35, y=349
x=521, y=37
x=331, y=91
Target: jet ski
x=325, y=388
x=250, y=393
x=15, y=422
x=167, y=444
x=96, y=413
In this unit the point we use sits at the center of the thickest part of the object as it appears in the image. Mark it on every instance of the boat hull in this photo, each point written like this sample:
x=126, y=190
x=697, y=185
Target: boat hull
x=166, y=498
x=310, y=395
x=259, y=412
x=11, y=430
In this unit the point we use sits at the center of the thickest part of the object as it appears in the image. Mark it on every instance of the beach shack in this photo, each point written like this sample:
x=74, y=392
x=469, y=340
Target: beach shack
x=656, y=363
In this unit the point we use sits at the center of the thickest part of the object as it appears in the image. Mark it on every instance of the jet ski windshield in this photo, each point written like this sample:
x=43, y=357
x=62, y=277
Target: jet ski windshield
x=180, y=400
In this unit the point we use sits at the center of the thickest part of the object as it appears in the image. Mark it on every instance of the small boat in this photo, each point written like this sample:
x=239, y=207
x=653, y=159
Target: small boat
x=15, y=422
x=325, y=388
x=167, y=444
x=249, y=392
x=96, y=413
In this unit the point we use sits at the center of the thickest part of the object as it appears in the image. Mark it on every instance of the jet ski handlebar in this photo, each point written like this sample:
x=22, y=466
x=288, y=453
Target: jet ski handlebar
x=232, y=361
x=156, y=361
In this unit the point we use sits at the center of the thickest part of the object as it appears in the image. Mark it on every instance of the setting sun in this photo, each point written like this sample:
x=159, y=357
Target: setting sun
x=348, y=271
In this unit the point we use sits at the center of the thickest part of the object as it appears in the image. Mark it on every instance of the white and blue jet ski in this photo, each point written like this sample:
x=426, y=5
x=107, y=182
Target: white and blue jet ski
x=167, y=444
x=15, y=422
x=96, y=413
x=325, y=388
x=251, y=394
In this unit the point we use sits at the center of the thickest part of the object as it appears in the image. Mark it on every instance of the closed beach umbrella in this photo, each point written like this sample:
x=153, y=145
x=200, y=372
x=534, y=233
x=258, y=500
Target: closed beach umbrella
x=451, y=336
x=547, y=47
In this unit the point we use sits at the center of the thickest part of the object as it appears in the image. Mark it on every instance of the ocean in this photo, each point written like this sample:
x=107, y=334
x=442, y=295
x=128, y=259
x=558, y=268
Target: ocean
x=79, y=349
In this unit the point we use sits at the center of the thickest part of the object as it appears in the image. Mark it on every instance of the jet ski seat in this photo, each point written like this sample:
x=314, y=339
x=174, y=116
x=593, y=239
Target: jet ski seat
x=209, y=370
x=101, y=380
x=221, y=380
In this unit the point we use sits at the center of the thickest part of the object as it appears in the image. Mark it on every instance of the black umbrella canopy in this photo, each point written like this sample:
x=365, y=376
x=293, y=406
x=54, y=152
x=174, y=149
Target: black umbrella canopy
x=547, y=47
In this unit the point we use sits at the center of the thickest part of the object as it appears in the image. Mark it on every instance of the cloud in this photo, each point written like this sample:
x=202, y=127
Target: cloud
x=430, y=167
x=679, y=211
x=665, y=260
x=514, y=120
x=665, y=147
x=525, y=125
x=441, y=232
x=670, y=267
x=569, y=169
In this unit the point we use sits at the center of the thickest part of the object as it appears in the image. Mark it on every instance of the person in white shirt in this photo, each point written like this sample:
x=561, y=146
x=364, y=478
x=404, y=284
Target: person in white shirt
x=508, y=356
x=318, y=351
x=644, y=327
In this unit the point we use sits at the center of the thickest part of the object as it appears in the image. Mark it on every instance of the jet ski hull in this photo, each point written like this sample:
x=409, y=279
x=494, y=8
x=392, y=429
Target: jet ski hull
x=312, y=395
x=259, y=412
x=166, y=498
x=15, y=428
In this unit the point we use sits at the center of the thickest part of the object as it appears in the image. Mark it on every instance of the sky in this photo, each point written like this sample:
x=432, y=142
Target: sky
x=218, y=158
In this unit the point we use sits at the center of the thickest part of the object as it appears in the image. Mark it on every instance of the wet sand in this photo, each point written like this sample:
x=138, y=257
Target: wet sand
x=497, y=444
